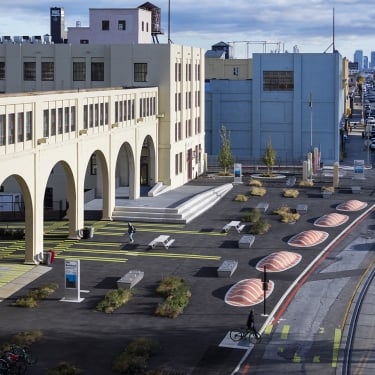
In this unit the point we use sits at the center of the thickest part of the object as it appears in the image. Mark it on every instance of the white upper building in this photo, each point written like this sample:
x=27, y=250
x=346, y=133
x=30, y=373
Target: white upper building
x=118, y=26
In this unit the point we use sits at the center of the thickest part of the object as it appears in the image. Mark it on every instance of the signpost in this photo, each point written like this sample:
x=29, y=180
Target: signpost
x=237, y=173
x=72, y=281
x=265, y=288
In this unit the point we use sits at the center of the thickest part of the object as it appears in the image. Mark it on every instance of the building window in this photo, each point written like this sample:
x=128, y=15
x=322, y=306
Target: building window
x=97, y=71
x=180, y=164
x=106, y=112
x=53, y=121
x=48, y=71
x=29, y=125
x=3, y=131
x=45, y=123
x=96, y=115
x=79, y=71
x=278, y=81
x=66, y=119
x=176, y=164
x=60, y=120
x=93, y=165
x=85, y=116
x=11, y=128
x=73, y=118
x=101, y=121
x=105, y=25
x=140, y=72
x=121, y=25
x=20, y=126
x=29, y=71
x=2, y=70
x=91, y=115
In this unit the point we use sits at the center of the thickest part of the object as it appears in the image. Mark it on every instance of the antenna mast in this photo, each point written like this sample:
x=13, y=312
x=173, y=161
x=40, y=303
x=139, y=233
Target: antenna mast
x=333, y=31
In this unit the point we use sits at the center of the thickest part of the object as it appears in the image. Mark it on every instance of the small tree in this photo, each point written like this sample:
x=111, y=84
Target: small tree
x=225, y=157
x=269, y=157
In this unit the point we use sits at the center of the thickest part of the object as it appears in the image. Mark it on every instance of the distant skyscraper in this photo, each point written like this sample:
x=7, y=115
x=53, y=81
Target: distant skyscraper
x=358, y=57
x=365, y=62
x=372, y=64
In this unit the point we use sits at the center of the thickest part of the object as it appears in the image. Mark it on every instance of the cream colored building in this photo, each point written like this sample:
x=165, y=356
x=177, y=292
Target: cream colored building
x=132, y=113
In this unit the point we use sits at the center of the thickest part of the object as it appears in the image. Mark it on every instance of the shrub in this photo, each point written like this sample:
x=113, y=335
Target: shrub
x=32, y=299
x=287, y=215
x=254, y=182
x=258, y=191
x=134, y=358
x=113, y=300
x=290, y=193
x=64, y=368
x=252, y=216
x=241, y=198
x=23, y=339
x=260, y=227
x=177, y=295
x=307, y=183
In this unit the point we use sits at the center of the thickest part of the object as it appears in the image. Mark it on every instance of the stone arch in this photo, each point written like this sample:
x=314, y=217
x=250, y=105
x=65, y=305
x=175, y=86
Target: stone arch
x=125, y=170
x=98, y=167
x=147, y=163
x=69, y=190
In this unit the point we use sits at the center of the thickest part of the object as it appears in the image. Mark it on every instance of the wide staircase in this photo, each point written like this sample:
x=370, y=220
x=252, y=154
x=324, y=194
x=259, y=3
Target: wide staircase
x=181, y=214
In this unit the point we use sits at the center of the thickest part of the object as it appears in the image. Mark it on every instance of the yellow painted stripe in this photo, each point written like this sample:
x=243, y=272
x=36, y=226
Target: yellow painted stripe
x=172, y=255
x=106, y=233
x=91, y=251
x=97, y=259
x=268, y=329
x=336, y=346
x=285, y=332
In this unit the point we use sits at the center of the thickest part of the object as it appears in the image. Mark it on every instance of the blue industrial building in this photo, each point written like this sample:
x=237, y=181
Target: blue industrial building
x=294, y=100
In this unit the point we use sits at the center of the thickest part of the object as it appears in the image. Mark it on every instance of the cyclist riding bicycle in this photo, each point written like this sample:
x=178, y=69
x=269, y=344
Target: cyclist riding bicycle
x=250, y=322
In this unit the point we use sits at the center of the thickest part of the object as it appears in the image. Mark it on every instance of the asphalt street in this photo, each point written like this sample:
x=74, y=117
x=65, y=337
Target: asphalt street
x=191, y=343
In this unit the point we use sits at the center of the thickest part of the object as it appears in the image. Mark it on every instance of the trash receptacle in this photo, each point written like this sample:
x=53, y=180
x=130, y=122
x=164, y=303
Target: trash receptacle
x=52, y=252
x=47, y=258
x=87, y=232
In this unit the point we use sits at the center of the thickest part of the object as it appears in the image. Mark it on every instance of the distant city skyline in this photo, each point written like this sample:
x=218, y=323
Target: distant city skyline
x=272, y=25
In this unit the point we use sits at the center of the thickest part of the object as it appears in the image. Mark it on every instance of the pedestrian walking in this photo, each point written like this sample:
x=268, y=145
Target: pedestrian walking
x=131, y=231
x=250, y=321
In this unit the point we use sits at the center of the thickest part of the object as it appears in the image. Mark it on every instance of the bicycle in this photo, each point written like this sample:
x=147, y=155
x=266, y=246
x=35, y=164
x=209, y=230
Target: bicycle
x=24, y=352
x=239, y=334
x=12, y=364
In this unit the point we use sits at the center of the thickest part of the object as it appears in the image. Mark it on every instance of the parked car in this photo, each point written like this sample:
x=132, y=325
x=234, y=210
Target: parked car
x=372, y=144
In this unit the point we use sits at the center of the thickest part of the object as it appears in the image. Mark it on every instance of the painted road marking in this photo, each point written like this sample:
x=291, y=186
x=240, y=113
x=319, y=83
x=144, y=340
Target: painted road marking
x=285, y=332
x=336, y=346
x=268, y=329
x=96, y=259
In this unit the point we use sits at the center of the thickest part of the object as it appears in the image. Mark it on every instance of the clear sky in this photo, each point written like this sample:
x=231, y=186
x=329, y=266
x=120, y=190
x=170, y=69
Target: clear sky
x=283, y=24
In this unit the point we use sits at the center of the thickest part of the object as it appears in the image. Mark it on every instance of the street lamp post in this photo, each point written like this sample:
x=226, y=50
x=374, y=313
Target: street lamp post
x=310, y=105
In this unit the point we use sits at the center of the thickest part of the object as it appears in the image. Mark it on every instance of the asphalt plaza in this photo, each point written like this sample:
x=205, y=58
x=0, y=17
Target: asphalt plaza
x=190, y=344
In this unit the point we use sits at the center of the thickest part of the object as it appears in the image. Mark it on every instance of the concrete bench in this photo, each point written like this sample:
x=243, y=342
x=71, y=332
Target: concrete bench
x=245, y=242
x=302, y=208
x=356, y=189
x=262, y=206
x=169, y=243
x=152, y=244
x=226, y=228
x=227, y=268
x=240, y=228
x=130, y=279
